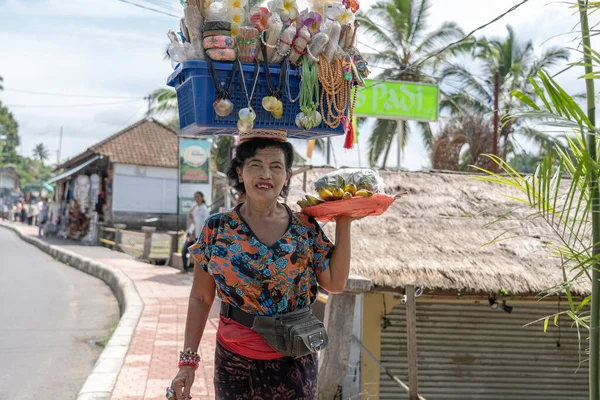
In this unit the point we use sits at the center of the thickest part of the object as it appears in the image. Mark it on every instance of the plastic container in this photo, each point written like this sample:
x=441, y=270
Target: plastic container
x=196, y=94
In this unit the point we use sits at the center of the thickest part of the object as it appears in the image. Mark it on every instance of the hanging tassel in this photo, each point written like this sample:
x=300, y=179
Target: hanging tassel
x=310, y=148
x=349, y=130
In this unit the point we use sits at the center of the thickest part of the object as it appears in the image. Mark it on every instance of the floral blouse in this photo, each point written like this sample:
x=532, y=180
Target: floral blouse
x=261, y=279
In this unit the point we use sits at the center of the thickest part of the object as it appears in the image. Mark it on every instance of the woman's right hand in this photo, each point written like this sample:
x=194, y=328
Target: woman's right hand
x=182, y=383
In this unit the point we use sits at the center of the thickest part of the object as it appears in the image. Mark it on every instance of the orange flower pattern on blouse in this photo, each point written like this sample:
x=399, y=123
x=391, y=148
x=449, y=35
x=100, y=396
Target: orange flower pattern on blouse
x=261, y=279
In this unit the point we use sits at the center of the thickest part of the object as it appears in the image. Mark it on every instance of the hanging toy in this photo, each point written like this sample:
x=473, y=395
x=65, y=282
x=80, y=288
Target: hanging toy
x=223, y=107
x=347, y=67
x=271, y=103
x=246, y=121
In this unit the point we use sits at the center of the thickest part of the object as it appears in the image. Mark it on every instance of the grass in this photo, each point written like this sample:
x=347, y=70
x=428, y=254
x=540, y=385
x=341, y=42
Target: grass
x=102, y=343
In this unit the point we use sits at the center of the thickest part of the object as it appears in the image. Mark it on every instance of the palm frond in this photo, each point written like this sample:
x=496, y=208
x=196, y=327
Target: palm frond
x=373, y=29
x=380, y=138
x=165, y=101
x=550, y=58
x=427, y=135
x=448, y=32
x=468, y=81
x=459, y=103
x=418, y=21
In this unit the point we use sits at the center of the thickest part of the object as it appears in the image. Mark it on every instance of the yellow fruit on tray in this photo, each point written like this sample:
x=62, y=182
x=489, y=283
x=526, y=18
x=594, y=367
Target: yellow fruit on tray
x=363, y=193
x=347, y=195
x=325, y=194
x=338, y=193
x=351, y=188
x=313, y=200
x=304, y=203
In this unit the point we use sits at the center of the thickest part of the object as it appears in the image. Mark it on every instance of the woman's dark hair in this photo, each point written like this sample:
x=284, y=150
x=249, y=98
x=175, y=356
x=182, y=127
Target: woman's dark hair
x=247, y=150
x=201, y=195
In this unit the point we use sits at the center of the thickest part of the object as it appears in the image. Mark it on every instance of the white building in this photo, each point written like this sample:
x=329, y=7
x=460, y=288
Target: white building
x=138, y=171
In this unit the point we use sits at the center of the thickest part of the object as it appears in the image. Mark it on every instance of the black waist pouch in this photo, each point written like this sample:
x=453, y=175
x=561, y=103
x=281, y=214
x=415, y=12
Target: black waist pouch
x=294, y=334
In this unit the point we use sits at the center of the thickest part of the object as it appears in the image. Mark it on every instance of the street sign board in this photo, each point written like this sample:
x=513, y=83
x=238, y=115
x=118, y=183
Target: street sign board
x=398, y=100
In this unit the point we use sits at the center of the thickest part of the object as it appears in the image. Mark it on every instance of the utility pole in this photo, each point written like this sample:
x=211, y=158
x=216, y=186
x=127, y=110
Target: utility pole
x=59, y=147
x=149, y=99
x=496, y=120
x=328, y=151
x=400, y=140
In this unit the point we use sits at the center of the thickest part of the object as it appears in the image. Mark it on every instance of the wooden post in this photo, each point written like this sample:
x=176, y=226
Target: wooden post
x=304, y=176
x=174, y=246
x=100, y=232
x=411, y=343
x=119, y=236
x=148, y=231
x=339, y=320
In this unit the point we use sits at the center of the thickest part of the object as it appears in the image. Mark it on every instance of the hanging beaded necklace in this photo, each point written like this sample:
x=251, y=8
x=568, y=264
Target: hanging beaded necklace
x=336, y=91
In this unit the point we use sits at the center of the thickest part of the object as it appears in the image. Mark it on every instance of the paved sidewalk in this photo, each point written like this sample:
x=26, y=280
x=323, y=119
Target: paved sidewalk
x=151, y=361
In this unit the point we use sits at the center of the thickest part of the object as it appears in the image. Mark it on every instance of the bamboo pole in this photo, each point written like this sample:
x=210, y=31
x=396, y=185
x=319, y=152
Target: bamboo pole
x=595, y=197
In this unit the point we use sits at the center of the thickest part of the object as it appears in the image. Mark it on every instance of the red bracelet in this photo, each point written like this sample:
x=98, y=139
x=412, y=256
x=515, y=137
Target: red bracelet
x=188, y=358
x=194, y=364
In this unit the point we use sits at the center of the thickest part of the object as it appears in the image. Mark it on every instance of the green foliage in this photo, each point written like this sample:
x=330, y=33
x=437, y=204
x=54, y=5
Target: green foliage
x=41, y=152
x=518, y=67
x=559, y=191
x=9, y=130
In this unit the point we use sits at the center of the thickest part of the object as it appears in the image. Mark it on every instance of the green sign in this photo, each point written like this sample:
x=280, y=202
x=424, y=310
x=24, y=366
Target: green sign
x=185, y=205
x=397, y=100
x=194, y=155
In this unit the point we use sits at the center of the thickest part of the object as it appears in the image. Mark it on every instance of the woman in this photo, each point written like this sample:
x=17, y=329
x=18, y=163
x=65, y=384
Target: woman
x=197, y=215
x=263, y=260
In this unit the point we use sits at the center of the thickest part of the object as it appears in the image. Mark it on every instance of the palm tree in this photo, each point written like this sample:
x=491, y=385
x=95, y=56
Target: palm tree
x=41, y=152
x=515, y=63
x=400, y=27
x=1, y=80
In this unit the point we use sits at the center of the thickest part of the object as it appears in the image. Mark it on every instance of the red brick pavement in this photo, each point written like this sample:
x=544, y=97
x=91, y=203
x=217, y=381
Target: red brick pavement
x=151, y=361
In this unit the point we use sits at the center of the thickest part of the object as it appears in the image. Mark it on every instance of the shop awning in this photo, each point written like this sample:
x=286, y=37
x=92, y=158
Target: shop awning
x=70, y=172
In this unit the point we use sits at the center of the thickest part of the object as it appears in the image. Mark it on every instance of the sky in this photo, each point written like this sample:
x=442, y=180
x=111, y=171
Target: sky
x=87, y=65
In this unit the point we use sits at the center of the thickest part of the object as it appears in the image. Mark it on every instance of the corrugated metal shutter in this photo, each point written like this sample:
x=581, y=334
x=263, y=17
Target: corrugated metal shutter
x=468, y=351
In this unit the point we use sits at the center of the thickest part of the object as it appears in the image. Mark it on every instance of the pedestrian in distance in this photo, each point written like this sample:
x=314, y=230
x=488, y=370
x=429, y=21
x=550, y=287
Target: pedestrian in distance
x=264, y=262
x=43, y=217
x=196, y=217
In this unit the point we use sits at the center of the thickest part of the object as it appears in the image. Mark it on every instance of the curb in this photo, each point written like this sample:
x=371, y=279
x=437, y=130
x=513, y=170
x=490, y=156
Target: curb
x=100, y=383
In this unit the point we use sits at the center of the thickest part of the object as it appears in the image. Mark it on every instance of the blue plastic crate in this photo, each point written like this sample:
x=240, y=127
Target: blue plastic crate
x=196, y=94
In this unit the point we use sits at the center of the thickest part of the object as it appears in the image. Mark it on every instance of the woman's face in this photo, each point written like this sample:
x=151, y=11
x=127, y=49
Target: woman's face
x=264, y=175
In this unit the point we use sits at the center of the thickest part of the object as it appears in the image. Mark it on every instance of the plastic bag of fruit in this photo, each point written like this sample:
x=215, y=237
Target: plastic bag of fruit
x=347, y=192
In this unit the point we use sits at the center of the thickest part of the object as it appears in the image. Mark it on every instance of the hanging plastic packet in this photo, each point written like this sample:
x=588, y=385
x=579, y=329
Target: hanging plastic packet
x=176, y=51
x=284, y=44
x=248, y=41
x=193, y=23
x=271, y=36
x=333, y=49
x=299, y=45
x=316, y=46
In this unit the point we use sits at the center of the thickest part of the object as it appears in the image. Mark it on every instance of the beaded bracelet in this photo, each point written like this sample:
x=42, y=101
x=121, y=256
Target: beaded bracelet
x=251, y=41
x=188, y=358
x=262, y=39
x=315, y=59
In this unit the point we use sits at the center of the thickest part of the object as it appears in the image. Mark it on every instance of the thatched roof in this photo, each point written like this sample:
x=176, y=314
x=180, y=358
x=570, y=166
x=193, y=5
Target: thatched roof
x=435, y=237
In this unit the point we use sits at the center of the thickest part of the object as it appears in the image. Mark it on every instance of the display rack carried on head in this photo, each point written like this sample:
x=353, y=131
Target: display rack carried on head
x=268, y=68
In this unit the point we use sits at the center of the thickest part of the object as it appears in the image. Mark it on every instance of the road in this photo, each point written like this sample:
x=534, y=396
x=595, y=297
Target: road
x=51, y=316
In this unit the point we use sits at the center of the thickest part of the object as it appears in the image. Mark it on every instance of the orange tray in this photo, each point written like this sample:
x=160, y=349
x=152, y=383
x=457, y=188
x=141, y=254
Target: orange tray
x=354, y=207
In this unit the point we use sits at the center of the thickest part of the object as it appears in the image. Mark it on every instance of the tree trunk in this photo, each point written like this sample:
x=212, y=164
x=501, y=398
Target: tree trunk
x=595, y=197
x=387, y=152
